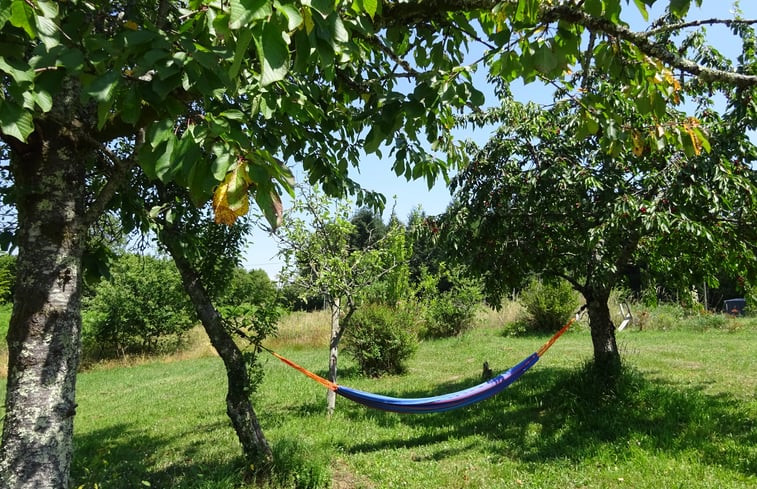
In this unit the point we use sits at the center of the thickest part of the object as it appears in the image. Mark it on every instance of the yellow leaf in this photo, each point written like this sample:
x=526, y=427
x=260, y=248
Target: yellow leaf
x=230, y=199
x=693, y=136
x=638, y=144
x=131, y=25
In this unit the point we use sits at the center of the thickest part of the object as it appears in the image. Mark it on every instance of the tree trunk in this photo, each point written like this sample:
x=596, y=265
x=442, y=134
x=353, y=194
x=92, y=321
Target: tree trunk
x=238, y=405
x=336, y=336
x=45, y=327
x=606, y=355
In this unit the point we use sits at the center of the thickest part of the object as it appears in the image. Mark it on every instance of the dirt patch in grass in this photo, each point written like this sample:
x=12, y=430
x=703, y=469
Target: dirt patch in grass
x=343, y=478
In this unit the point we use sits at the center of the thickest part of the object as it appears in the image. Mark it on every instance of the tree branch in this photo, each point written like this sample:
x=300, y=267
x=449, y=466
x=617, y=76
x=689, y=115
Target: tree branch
x=648, y=47
x=671, y=28
x=413, y=12
x=119, y=175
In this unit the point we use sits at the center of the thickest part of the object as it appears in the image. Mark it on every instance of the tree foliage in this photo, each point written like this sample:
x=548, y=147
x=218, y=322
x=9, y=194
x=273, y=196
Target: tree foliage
x=249, y=287
x=318, y=258
x=381, y=339
x=543, y=197
x=548, y=304
x=139, y=307
x=7, y=277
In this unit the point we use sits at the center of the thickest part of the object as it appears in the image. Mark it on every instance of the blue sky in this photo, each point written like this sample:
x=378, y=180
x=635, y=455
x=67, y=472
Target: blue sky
x=375, y=174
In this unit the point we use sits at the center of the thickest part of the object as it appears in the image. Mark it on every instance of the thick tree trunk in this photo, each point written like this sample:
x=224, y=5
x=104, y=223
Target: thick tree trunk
x=336, y=336
x=238, y=405
x=45, y=327
x=606, y=355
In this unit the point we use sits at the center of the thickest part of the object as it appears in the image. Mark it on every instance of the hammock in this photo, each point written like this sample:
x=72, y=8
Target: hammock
x=435, y=404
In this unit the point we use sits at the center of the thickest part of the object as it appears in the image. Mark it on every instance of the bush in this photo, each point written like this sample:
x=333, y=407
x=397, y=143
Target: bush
x=453, y=312
x=243, y=287
x=380, y=339
x=7, y=277
x=141, y=308
x=549, y=305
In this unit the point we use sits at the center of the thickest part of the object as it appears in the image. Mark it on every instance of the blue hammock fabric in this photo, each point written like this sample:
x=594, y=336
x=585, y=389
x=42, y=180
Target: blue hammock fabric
x=443, y=402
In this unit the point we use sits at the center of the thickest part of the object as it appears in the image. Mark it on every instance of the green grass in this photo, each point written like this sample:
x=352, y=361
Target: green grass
x=5, y=317
x=683, y=414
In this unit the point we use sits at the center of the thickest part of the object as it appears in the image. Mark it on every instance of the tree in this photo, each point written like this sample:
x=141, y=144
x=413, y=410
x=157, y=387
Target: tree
x=318, y=258
x=541, y=199
x=248, y=287
x=139, y=304
x=239, y=383
x=251, y=84
x=368, y=228
x=426, y=256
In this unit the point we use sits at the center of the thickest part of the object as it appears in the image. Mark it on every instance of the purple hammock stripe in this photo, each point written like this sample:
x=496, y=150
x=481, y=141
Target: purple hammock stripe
x=443, y=402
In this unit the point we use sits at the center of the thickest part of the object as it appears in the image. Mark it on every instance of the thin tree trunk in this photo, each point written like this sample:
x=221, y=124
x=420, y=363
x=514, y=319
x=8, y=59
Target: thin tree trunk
x=336, y=336
x=238, y=405
x=606, y=355
x=45, y=326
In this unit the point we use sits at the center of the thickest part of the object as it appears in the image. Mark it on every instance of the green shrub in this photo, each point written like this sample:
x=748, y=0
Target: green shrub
x=453, y=312
x=549, y=305
x=141, y=308
x=7, y=277
x=248, y=287
x=380, y=339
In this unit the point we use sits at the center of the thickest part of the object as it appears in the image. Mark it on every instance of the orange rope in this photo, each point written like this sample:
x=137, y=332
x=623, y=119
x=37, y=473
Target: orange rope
x=552, y=340
x=327, y=383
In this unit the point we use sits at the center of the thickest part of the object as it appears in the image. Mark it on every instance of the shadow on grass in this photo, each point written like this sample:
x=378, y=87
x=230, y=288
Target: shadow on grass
x=122, y=456
x=559, y=413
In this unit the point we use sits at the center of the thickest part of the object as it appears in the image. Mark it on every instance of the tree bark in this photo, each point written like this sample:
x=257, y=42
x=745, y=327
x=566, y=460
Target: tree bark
x=336, y=336
x=239, y=408
x=606, y=355
x=45, y=327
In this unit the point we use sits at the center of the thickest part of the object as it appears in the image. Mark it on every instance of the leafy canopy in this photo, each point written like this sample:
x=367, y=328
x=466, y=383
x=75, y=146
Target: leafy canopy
x=220, y=95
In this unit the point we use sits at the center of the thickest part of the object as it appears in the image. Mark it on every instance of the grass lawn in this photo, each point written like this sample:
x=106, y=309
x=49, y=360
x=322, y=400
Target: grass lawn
x=684, y=415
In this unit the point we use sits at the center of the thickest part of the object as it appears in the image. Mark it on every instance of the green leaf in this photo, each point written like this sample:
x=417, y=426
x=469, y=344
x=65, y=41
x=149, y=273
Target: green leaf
x=270, y=203
x=222, y=162
x=49, y=9
x=594, y=7
x=240, y=52
x=19, y=73
x=370, y=7
x=130, y=107
x=159, y=132
x=242, y=12
x=294, y=19
x=164, y=163
x=679, y=8
x=43, y=99
x=102, y=88
x=544, y=59
x=642, y=9
x=139, y=37
x=22, y=16
x=15, y=121
x=273, y=53
x=374, y=138
x=48, y=31
x=324, y=7
x=527, y=11
x=338, y=30
x=103, y=112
